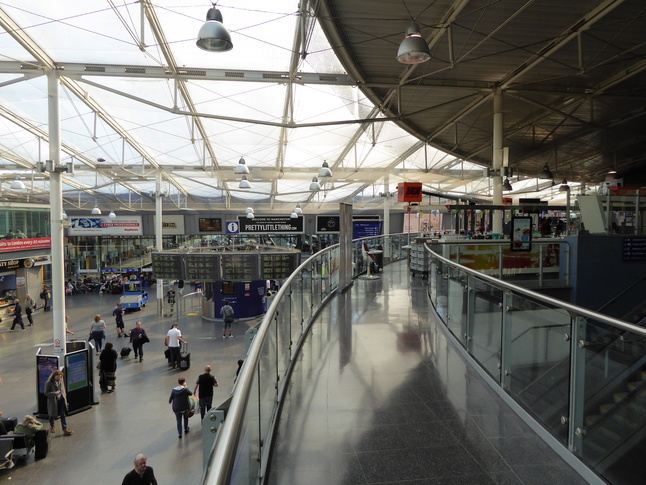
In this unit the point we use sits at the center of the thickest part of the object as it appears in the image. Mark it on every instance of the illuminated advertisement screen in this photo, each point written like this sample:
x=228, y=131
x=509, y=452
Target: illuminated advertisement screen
x=521, y=234
x=45, y=365
x=210, y=224
x=77, y=377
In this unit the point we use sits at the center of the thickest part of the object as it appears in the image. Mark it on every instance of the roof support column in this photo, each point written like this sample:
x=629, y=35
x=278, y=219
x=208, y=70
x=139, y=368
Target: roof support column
x=158, y=238
x=497, y=158
x=386, y=196
x=56, y=215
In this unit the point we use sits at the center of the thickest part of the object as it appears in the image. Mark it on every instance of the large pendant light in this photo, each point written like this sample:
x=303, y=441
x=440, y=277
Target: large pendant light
x=413, y=49
x=213, y=36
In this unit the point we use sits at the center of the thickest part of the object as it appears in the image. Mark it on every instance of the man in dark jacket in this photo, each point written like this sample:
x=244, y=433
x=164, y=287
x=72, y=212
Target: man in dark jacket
x=141, y=475
x=17, y=315
x=181, y=404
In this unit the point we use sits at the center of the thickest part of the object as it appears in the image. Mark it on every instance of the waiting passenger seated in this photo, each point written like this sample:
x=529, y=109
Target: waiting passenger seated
x=29, y=427
x=20, y=234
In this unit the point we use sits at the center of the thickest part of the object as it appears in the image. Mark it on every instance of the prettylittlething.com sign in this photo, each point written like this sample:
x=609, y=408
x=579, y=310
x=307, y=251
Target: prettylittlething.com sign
x=270, y=225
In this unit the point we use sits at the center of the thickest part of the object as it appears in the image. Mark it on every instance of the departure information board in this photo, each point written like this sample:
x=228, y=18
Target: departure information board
x=203, y=267
x=240, y=267
x=168, y=265
x=278, y=266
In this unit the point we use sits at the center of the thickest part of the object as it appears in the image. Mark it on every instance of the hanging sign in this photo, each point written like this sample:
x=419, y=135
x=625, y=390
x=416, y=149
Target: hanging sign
x=270, y=225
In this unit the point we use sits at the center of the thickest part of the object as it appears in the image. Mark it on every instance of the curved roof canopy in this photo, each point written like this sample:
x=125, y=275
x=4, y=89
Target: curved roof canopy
x=309, y=82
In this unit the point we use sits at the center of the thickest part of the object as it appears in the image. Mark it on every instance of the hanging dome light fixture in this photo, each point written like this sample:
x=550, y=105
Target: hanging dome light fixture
x=213, y=35
x=413, y=49
x=241, y=168
x=315, y=186
x=244, y=183
x=546, y=173
x=17, y=184
x=325, y=171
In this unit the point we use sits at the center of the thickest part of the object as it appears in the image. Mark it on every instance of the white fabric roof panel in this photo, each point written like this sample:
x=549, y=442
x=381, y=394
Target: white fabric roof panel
x=222, y=106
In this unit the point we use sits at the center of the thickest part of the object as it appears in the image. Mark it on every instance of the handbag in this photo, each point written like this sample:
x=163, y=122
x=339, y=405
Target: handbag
x=189, y=412
x=144, y=339
x=167, y=353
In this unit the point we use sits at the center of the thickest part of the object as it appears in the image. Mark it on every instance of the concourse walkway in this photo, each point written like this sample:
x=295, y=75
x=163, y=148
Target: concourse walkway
x=136, y=418
x=381, y=396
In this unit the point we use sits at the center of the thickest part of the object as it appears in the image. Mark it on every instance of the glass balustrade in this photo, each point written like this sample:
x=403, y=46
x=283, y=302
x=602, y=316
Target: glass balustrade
x=581, y=375
x=242, y=446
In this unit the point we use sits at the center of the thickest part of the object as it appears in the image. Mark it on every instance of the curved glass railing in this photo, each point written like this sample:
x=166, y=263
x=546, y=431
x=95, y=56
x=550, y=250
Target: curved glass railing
x=580, y=374
x=241, y=449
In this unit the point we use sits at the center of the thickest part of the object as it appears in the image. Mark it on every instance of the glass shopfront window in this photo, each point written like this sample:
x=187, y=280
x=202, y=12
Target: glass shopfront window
x=24, y=223
x=96, y=254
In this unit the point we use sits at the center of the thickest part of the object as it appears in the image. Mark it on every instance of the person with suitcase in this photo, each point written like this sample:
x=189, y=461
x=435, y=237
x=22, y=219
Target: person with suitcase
x=173, y=341
x=108, y=368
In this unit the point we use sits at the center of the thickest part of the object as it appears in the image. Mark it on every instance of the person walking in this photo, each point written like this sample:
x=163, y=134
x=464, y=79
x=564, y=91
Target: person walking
x=142, y=474
x=97, y=332
x=108, y=368
x=205, y=384
x=29, y=308
x=57, y=401
x=138, y=338
x=118, y=317
x=173, y=341
x=17, y=315
x=46, y=295
x=67, y=328
x=227, y=315
x=181, y=404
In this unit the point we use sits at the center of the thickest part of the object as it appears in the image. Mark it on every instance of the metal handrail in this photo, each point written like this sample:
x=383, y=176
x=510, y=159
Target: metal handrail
x=228, y=435
x=501, y=243
x=219, y=467
x=553, y=302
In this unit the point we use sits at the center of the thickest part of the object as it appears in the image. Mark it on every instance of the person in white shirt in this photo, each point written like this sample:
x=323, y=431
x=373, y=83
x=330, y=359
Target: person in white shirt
x=173, y=341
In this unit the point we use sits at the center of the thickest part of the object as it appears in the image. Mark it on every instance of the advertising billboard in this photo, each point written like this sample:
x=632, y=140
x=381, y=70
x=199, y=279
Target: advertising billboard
x=104, y=226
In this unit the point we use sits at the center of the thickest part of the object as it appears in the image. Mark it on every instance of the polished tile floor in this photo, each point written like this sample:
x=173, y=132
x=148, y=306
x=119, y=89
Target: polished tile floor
x=381, y=396
x=136, y=418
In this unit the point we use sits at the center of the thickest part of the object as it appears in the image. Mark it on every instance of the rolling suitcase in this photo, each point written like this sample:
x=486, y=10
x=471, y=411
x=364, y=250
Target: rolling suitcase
x=184, y=358
x=41, y=444
x=125, y=351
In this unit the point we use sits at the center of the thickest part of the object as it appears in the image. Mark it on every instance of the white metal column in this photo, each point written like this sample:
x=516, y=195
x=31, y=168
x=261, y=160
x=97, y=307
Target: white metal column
x=56, y=215
x=158, y=239
x=386, y=193
x=498, y=117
